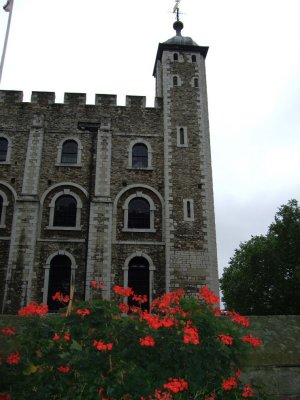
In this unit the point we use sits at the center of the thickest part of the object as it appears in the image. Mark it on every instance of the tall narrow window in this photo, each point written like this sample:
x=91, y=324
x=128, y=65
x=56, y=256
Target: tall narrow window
x=139, y=156
x=175, y=57
x=65, y=211
x=188, y=209
x=69, y=152
x=3, y=148
x=175, y=81
x=181, y=136
x=139, y=214
x=1, y=208
x=193, y=58
x=196, y=82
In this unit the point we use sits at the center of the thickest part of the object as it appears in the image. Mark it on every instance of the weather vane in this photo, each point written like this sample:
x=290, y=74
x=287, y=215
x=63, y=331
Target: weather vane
x=176, y=9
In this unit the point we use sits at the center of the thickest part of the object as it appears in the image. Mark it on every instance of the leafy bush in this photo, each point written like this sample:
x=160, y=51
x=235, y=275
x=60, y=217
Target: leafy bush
x=183, y=349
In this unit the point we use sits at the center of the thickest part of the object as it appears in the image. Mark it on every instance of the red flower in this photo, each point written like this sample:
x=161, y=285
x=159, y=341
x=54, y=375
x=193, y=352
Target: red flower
x=60, y=297
x=33, y=309
x=140, y=298
x=168, y=322
x=123, y=307
x=207, y=295
x=152, y=320
x=8, y=331
x=97, y=285
x=13, y=358
x=4, y=396
x=190, y=334
x=226, y=339
x=255, y=342
x=230, y=383
x=122, y=291
x=101, y=346
x=176, y=385
x=160, y=395
x=84, y=312
x=247, y=391
x=64, y=369
x=67, y=336
x=211, y=396
x=147, y=341
x=239, y=319
x=56, y=337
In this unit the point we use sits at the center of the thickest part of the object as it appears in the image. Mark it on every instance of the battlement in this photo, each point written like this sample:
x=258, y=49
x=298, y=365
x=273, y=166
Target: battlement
x=76, y=99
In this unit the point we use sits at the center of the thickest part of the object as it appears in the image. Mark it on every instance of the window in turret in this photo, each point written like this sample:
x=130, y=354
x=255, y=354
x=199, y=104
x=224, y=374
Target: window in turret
x=175, y=81
x=182, y=140
x=196, y=82
x=3, y=205
x=188, y=210
x=193, y=58
x=175, y=57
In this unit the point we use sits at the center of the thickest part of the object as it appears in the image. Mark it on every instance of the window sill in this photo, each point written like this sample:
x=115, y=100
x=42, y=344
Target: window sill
x=141, y=168
x=63, y=228
x=68, y=165
x=150, y=230
x=5, y=162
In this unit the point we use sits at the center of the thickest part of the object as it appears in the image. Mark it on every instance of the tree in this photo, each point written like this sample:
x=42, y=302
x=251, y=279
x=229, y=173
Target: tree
x=263, y=276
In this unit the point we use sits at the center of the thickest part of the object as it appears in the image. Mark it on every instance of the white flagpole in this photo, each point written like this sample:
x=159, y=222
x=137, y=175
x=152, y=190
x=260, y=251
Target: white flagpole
x=5, y=41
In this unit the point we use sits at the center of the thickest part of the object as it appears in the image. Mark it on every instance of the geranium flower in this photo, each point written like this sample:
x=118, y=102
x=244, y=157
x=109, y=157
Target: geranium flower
x=13, y=358
x=33, y=309
x=84, y=312
x=8, y=331
x=255, y=342
x=58, y=296
x=147, y=341
x=101, y=346
x=239, y=319
x=226, y=339
x=176, y=385
x=190, y=334
x=123, y=307
x=230, y=383
x=207, y=295
x=247, y=391
x=122, y=291
x=64, y=369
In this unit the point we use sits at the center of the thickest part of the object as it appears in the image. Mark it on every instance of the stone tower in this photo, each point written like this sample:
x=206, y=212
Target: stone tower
x=191, y=254
x=119, y=194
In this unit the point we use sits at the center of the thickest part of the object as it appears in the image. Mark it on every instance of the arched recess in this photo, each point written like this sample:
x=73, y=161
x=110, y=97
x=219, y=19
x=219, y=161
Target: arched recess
x=3, y=205
x=138, y=274
x=5, y=201
x=59, y=276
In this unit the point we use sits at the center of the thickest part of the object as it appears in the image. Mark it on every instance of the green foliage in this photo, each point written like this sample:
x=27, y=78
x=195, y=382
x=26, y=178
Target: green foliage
x=263, y=276
x=187, y=347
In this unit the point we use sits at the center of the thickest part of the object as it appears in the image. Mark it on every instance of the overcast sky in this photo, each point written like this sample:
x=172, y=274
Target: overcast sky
x=253, y=78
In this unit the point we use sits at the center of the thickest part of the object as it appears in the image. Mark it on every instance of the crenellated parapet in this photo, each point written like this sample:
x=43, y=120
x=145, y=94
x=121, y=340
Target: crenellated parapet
x=75, y=99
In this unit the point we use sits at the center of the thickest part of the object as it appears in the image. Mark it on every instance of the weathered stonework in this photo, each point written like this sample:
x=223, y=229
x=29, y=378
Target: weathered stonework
x=179, y=246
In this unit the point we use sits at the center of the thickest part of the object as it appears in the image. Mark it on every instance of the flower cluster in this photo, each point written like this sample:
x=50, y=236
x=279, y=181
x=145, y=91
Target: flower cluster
x=247, y=391
x=122, y=291
x=8, y=331
x=101, y=346
x=190, y=334
x=207, y=295
x=226, y=339
x=13, y=358
x=97, y=285
x=34, y=309
x=84, y=312
x=147, y=341
x=58, y=296
x=64, y=369
x=237, y=318
x=255, y=342
x=176, y=385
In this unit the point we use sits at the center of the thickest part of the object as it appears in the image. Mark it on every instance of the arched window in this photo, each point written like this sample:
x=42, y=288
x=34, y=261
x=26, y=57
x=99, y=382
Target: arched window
x=196, y=82
x=65, y=211
x=139, y=214
x=69, y=152
x=175, y=57
x=182, y=139
x=139, y=156
x=175, y=81
x=3, y=149
x=193, y=58
x=59, y=280
x=139, y=280
x=188, y=210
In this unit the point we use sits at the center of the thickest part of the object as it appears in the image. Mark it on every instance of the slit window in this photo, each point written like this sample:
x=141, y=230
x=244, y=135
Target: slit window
x=193, y=58
x=196, y=82
x=188, y=210
x=175, y=81
x=175, y=57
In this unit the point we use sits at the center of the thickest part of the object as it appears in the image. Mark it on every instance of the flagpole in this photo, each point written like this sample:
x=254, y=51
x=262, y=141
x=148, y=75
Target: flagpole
x=5, y=41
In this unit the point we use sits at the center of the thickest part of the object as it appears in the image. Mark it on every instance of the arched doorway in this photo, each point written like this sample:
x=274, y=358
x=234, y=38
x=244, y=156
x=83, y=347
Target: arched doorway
x=139, y=279
x=59, y=280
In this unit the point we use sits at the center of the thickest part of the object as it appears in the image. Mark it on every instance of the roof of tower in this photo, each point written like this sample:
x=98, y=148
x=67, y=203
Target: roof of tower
x=179, y=43
x=178, y=38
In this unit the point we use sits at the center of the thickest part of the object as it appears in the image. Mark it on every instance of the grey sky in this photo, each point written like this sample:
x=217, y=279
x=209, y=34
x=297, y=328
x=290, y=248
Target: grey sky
x=253, y=77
